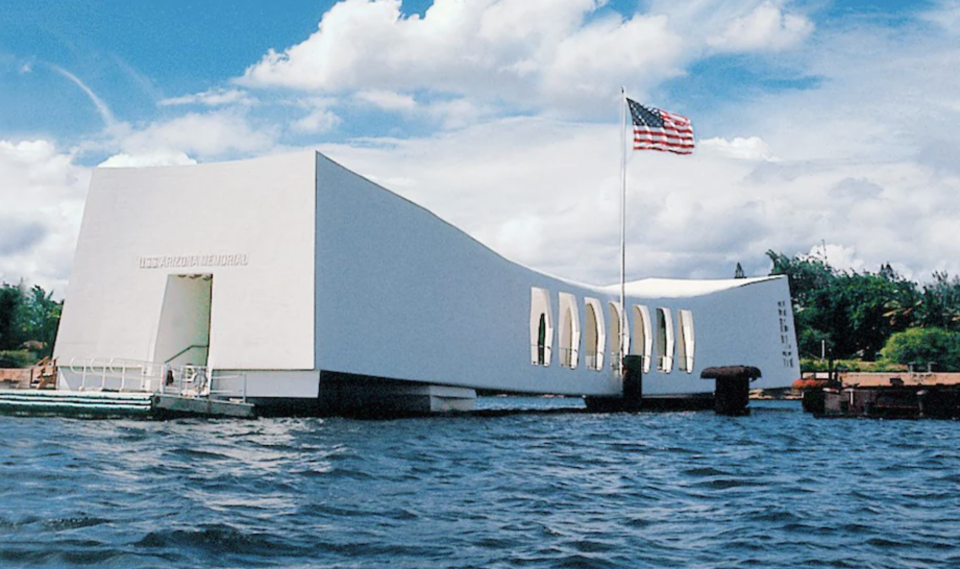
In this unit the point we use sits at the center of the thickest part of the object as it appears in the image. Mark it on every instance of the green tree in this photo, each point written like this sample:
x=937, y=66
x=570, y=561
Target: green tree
x=11, y=302
x=40, y=317
x=921, y=346
x=807, y=277
x=28, y=315
x=850, y=313
x=939, y=305
x=869, y=298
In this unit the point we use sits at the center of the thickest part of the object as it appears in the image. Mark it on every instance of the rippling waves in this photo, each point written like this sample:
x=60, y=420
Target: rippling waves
x=775, y=489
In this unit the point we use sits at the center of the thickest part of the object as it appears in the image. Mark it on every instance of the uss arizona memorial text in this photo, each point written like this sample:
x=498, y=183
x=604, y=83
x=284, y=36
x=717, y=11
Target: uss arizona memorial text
x=181, y=261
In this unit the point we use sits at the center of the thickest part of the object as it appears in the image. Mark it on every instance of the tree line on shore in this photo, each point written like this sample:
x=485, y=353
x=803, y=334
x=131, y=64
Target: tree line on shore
x=869, y=320
x=872, y=320
x=28, y=324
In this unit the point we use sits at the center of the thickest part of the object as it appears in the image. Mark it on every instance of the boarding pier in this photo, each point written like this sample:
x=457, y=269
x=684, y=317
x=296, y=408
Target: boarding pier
x=125, y=388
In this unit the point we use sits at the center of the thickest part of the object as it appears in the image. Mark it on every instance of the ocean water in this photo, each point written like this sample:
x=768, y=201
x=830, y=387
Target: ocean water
x=775, y=489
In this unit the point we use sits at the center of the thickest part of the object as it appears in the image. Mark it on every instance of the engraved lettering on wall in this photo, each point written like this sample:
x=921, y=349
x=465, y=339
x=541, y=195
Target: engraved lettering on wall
x=188, y=261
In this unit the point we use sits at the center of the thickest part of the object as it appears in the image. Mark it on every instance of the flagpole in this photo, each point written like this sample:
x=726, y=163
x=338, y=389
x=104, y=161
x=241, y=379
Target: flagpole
x=623, y=226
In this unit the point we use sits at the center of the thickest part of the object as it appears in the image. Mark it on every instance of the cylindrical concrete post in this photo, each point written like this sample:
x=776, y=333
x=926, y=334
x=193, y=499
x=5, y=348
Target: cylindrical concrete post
x=732, y=391
x=732, y=395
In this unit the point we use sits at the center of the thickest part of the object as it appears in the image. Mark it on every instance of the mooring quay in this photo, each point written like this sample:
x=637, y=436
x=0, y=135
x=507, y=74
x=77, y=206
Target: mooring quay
x=115, y=404
x=131, y=389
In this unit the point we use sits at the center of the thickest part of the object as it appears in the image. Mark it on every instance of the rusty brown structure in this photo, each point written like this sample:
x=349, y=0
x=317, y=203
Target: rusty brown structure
x=43, y=375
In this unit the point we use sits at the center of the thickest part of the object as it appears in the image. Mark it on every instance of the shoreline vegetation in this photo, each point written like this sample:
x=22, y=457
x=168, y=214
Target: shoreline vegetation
x=845, y=320
x=865, y=321
x=28, y=324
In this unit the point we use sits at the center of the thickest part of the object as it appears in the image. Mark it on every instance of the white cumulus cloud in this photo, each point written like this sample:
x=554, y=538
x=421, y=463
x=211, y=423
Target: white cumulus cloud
x=159, y=158
x=203, y=135
x=42, y=195
x=842, y=257
x=316, y=121
x=587, y=63
x=767, y=27
x=509, y=49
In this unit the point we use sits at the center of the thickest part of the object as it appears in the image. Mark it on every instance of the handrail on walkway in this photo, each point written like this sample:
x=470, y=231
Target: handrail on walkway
x=97, y=373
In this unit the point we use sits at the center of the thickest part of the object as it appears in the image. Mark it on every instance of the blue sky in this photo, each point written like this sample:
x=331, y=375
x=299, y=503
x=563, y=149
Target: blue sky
x=819, y=122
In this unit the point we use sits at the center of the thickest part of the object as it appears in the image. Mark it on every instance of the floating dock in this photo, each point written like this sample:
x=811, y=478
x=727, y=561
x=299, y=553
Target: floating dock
x=111, y=404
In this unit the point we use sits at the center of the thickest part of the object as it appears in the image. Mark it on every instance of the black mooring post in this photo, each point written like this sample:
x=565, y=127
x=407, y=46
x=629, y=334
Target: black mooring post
x=732, y=390
x=632, y=383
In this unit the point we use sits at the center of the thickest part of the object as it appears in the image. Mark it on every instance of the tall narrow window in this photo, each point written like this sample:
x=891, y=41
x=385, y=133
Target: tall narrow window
x=613, y=332
x=685, y=344
x=665, y=345
x=541, y=327
x=569, y=331
x=593, y=334
x=642, y=336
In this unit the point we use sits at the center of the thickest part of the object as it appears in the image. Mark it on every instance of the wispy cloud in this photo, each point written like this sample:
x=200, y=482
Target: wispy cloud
x=387, y=100
x=945, y=13
x=105, y=113
x=211, y=98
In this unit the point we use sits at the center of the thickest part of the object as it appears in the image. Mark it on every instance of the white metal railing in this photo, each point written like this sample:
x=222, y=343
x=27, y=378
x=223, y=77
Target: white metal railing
x=103, y=373
x=240, y=392
x=202, y=381
x=149, y=377
x=541, y=352
x=568, y=357
x=188, y=381
x=591, y=359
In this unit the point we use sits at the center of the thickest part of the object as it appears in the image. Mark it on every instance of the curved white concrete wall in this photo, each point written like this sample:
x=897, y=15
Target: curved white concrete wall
x=316, y=268
x=402, y=294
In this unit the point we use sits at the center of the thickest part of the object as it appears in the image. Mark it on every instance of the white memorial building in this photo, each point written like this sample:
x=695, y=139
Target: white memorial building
x=325, y=291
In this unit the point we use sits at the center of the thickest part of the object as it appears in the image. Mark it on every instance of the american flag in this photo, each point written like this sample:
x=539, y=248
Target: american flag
x=654, y=129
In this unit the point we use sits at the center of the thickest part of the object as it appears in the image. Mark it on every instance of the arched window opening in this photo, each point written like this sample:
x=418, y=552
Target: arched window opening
x=642, y=336
x=665, y=343
x=613, y=332
x=569, y=331
x=593, y=334
x=685, y=345
x=566, y=339
x=541, y=327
